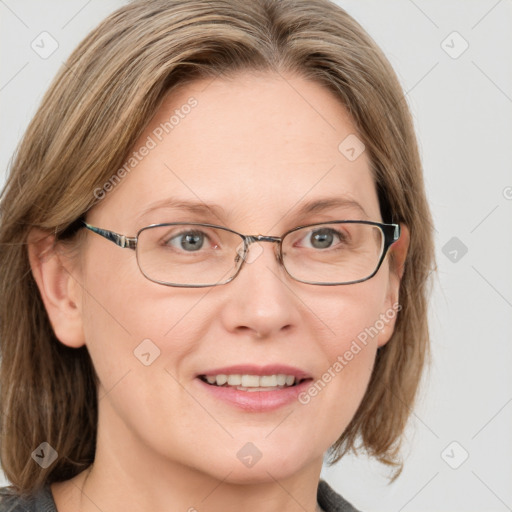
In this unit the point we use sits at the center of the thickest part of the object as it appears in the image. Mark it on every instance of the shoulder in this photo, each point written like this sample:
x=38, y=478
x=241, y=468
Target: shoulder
x=41, y=501
x=330, y=501
x=11, y=502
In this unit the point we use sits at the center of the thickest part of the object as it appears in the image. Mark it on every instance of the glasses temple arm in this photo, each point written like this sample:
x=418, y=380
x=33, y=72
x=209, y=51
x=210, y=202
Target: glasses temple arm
x=120, y=240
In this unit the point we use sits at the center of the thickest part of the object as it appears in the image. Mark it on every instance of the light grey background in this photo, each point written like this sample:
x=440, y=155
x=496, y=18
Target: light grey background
x=463, y=113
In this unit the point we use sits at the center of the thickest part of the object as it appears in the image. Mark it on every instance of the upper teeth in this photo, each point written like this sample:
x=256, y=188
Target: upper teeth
x=252, y=381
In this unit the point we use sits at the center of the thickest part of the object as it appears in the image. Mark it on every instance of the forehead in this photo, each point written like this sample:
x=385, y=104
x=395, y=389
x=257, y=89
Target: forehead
x=256, y=145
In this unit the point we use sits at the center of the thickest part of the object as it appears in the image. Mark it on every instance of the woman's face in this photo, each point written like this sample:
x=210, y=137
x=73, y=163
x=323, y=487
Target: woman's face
x=255, y=149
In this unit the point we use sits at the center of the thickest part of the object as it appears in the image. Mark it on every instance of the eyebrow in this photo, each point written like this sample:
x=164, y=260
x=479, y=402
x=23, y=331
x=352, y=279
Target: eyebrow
x=314, y=206
x=186, y=206
x=320, y=205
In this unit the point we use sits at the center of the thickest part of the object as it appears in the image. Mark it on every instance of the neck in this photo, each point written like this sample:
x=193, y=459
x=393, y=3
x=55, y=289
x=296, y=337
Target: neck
x=127, y=474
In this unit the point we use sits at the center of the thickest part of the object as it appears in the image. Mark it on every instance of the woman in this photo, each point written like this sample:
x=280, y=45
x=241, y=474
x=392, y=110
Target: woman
x=215, y=246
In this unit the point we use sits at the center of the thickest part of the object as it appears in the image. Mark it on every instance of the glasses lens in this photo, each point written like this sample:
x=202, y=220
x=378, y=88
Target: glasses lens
x=189, y=254
x=337, y=253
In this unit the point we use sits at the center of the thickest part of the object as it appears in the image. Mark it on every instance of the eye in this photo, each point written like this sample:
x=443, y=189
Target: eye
x=187, y=240
x=323, y=238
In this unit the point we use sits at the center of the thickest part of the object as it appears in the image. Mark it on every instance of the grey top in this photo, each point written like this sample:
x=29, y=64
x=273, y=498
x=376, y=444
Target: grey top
x=43, y=501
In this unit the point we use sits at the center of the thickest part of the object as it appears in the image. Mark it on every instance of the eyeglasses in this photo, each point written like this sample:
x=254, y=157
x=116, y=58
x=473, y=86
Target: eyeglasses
x=199, y=255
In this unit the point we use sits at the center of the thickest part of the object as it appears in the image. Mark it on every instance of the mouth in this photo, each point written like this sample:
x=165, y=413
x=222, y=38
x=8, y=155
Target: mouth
x=253, y=382
x=253, y=388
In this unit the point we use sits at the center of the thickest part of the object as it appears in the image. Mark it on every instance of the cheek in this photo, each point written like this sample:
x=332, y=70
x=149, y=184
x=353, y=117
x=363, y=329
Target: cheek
x=138, y=334
x=352, y=315
x=351, y=328
x=126, y=316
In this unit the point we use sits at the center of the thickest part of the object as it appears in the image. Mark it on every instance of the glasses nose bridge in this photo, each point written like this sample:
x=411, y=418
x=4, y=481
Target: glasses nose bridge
x=262, y=238
x=250, y=239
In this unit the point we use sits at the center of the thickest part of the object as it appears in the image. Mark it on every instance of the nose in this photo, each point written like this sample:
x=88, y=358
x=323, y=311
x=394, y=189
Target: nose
x=260, y=300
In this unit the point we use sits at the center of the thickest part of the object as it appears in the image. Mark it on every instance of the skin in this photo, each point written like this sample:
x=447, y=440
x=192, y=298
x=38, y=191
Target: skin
x=258, y=148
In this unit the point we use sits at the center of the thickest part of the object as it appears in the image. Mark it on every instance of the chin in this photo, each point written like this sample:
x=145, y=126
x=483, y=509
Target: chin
x=244, y=463
x=261, y=473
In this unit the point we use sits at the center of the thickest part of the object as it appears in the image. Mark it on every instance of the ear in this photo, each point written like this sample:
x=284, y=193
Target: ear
x=397, y=256
x=59, y=290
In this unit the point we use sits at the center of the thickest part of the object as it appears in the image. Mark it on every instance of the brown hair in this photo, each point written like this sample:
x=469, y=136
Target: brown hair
x=97, y=107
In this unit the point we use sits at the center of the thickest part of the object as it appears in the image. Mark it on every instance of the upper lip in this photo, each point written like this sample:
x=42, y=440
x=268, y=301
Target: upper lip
x=251, y=369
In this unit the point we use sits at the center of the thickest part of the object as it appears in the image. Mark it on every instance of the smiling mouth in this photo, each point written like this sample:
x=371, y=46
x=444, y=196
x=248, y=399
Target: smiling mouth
x=252, y=382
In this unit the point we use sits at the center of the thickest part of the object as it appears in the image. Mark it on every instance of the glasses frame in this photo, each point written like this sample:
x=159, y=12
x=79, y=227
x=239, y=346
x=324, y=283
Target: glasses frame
x=391, y=233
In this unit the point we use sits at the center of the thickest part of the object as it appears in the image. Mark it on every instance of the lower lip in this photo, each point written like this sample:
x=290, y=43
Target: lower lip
x=256, y=401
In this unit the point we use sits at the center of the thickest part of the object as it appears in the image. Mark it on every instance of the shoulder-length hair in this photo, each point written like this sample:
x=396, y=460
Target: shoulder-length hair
x=96, y=108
